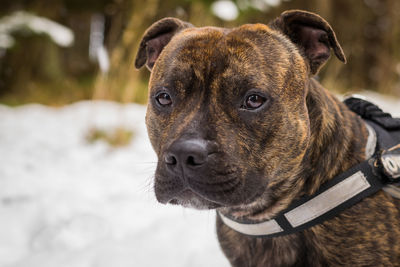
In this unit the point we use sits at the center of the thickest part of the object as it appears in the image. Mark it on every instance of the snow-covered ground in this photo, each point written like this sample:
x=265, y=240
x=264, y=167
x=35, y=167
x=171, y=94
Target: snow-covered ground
x=67, y=203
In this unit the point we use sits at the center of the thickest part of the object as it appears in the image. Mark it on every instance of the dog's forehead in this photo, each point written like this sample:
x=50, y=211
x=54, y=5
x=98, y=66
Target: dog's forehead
x=207, y=44
x=197, y=45
x=199, y=53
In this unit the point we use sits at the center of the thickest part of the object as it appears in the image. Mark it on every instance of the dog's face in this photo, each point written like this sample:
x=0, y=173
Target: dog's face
x=227, y=112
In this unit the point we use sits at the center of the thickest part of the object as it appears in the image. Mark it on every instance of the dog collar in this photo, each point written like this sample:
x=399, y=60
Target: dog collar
x=380, y=171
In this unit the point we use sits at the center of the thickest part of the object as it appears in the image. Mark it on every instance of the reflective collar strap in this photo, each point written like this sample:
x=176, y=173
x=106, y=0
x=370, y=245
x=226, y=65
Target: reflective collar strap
x=371, y=142
x=333, y=197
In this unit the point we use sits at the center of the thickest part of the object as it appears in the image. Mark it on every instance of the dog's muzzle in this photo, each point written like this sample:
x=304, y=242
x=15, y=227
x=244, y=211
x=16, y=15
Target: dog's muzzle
x=193, y=172
x=185, y=181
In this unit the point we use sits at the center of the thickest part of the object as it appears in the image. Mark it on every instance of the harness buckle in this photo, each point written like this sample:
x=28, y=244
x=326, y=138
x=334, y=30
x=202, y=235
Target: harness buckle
x=390, y=161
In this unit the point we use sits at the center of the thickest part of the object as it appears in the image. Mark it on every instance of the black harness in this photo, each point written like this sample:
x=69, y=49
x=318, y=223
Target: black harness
x=380, y=171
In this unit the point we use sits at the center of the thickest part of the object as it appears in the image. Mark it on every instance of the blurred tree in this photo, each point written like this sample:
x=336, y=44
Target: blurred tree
x=37, y=70
x=368, y=30
x=123, y=82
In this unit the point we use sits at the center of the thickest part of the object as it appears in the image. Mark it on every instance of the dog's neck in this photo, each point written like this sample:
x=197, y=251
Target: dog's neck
x=338, y=140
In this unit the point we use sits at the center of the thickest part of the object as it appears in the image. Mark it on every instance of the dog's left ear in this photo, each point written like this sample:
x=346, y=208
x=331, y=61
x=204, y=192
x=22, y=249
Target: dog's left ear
x=312, y=34
x=156, y=37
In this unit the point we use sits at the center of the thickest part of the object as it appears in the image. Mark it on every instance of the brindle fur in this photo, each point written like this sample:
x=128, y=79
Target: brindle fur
x=261, y=161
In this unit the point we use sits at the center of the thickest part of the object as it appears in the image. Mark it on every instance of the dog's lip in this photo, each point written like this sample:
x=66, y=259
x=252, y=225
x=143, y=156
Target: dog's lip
x=187, y=193
x=229, y=181
x=192, y=192
x=189, y=198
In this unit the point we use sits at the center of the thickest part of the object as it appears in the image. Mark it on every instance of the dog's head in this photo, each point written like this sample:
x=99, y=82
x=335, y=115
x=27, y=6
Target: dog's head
x=227, y=112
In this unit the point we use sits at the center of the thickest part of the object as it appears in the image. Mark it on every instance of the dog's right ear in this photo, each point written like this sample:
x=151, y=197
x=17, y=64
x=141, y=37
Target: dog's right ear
x=156, y=37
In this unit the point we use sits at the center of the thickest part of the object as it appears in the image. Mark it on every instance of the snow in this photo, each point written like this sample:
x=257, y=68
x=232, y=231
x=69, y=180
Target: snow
x=21, y=20
x=67, y=203
x=64, y=202
x=225, y=10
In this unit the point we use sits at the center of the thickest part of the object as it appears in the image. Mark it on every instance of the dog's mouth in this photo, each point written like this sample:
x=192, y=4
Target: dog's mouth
x=200, y=193
x=195, y=193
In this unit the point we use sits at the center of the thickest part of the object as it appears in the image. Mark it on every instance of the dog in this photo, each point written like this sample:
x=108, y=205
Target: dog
x=240, y=125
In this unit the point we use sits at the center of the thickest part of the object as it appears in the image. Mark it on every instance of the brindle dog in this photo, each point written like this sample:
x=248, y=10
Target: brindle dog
x=239, y=125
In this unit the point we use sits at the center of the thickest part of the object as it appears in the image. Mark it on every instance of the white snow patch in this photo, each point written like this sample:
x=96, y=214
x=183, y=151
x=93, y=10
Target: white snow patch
x=60, y=34
x=64, y=202
x=225, y=10
x=273, y=3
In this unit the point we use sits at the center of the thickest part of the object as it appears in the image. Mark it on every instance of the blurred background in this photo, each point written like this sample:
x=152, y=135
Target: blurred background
x=76, y=166
x=89, y=52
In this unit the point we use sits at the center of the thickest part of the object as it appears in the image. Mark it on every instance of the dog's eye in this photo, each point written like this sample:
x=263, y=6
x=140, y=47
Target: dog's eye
x=164, y=99
x=254, y=101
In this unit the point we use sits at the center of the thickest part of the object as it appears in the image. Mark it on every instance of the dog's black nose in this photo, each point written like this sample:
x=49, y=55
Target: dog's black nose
x=186, y=154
